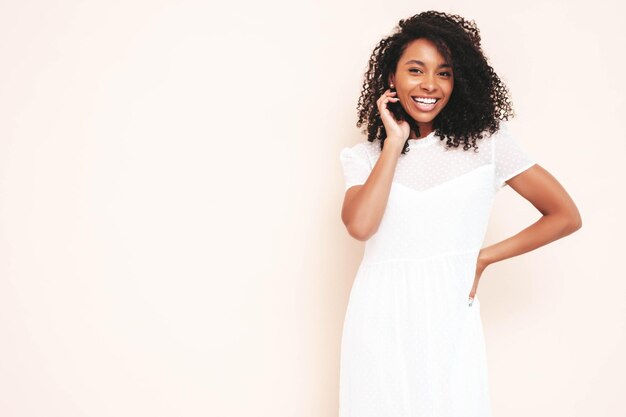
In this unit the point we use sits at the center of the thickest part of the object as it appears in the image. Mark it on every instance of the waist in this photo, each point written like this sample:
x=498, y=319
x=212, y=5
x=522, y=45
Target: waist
x=379, y=258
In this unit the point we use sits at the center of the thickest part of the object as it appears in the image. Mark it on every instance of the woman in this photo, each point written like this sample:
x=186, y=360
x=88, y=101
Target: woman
x=412, y=343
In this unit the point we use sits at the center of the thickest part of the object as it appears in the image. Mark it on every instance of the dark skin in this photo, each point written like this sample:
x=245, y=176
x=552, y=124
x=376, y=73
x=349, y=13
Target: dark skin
x=422, y=72
x=364, y=205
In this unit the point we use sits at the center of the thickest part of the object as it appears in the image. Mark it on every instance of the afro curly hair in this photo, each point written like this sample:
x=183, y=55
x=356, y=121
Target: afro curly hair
x=479, y=99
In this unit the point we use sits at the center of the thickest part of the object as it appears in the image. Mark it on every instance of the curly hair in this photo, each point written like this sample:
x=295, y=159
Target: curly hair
x=479, y=99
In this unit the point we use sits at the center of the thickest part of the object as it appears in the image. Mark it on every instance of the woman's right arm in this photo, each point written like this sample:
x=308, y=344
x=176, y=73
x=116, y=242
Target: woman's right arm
x=364, y=205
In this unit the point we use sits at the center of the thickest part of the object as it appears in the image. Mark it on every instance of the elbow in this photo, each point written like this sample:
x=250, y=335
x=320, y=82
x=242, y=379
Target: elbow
x=359, y=232
x=576, y=223
x=572, y=223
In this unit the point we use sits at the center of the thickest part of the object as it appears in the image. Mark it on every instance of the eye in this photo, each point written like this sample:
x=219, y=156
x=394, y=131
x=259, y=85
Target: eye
x=447, y=74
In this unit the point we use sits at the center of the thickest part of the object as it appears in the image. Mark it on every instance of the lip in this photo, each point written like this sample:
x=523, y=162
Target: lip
x=425, y=107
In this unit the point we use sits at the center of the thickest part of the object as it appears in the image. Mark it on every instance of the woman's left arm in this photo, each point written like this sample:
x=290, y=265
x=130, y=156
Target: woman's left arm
x=560, y=216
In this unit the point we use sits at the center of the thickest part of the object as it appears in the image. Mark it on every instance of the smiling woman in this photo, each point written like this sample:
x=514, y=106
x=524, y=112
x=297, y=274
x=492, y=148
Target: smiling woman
x=426, y=82
x=434, y=55
x=412, y=341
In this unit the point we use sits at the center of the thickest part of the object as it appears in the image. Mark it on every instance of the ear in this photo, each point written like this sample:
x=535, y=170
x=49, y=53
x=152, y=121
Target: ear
x=391, y=79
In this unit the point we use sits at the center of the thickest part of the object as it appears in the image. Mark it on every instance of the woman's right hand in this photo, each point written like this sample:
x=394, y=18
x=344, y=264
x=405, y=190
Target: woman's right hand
x=397, y=131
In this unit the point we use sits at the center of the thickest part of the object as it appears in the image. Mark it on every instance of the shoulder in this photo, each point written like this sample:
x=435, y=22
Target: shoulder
x=500, y=139
x=364, y=150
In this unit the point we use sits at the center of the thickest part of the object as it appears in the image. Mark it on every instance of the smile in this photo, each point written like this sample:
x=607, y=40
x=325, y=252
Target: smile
x=425, y=103
x=425, y=100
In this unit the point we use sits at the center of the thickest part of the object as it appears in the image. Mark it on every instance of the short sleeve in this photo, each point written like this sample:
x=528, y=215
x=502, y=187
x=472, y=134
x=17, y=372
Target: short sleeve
x=356, y=166
x=510, y=158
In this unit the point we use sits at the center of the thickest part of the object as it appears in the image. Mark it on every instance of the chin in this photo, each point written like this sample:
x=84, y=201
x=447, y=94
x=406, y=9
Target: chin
x=424, y=118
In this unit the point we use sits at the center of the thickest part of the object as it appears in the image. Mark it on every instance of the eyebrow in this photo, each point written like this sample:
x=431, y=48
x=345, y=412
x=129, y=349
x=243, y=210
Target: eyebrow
x=418, y=62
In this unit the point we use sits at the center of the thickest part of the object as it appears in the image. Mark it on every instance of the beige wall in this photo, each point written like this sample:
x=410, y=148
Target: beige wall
x=170, y=191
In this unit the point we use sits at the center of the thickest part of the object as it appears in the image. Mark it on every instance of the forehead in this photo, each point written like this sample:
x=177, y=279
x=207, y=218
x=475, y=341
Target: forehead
x=424, y=50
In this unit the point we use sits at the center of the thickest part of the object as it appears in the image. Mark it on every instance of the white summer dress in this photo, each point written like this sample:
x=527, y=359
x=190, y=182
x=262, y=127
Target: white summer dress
x=412, y=345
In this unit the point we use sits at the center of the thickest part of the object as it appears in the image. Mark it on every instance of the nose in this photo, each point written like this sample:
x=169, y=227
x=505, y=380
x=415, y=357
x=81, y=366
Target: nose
x=428, y=83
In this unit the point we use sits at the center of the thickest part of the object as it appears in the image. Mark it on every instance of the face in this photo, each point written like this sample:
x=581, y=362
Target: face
x=422, y=72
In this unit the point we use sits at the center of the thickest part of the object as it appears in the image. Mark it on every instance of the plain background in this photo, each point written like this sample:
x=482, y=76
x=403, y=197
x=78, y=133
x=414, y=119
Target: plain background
x=170, y=195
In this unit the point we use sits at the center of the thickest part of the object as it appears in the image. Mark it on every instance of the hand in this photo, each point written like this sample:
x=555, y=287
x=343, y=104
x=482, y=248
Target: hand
x=397, y=131
x=481, y=264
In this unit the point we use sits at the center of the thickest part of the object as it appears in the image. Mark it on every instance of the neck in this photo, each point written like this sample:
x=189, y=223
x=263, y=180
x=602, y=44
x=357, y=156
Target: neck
x=425, y=131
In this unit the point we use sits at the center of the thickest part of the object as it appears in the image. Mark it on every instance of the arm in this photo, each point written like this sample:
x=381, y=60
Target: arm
x=364, y=205
x=560, y=216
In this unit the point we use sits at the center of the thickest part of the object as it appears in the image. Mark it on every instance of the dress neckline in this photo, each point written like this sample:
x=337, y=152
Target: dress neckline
x=430, y=138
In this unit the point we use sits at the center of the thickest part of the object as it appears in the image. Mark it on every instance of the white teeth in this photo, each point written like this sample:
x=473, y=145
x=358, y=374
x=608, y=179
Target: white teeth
x=425, y=100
